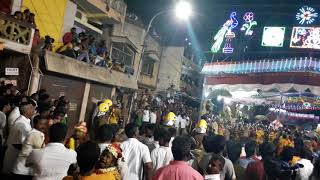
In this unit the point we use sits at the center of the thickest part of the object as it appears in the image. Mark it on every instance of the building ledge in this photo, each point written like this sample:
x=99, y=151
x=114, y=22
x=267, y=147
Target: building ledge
x=64, y=65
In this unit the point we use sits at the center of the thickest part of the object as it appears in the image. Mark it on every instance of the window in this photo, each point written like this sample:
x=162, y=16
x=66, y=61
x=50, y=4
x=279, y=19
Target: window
x=147, y=66
x=123, y=54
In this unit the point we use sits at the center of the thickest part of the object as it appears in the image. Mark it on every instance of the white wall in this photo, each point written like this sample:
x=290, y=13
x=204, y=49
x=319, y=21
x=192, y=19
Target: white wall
x=170, y=68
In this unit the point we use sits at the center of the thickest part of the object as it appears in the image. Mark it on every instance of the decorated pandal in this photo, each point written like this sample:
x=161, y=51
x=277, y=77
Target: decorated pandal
x=301, y=64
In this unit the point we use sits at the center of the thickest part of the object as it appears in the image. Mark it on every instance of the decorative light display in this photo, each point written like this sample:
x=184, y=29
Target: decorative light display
x=225, y=32
x=249, y=23
x=273, y=36
x=306, y=15
x=219, y=37
x=230, y=35
x=305, y=37
x=266, y=65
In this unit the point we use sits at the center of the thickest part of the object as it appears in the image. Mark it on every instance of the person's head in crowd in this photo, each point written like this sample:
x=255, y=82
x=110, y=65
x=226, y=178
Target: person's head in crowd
x=105, y=133
x=88, y=154
x=81, y=130
x=45, y=110
x=40, y=123
x=287, y=154
x=306, y=154
x=18, y=15
x=15, y=101
x=58, y=116
x=250, y=148
x=234, y=151
x=267, y=150
x=181, y=147
x=57, y=133
x=110, y=156
x=26, y=14
x=55, y=102
x=27, y=109
x=44, y=97
x=131, y=130
x=164, y=137
x=120, y=136
x=73, y=30
x=217, y=144
x=5, y=105
x=172, y=131
x=216, y=164
x=149, y=130
x=35, y=96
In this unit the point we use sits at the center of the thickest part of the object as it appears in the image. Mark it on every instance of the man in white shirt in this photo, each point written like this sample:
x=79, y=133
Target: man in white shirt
x=162, y=155
x=146, y=115
x=34, y=140
x=15, y=113
x=17, y=135
x=53, y=161
x=153, y=116
x=136, y=154
x=4, y=109
x=184, y=121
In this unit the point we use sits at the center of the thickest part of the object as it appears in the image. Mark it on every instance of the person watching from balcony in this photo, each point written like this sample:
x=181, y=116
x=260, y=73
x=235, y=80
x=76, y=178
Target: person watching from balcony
x=32, y=19
x=100, y=59
x=70, y=37
x=36, y=38
x=18, y=15
x=26, y=15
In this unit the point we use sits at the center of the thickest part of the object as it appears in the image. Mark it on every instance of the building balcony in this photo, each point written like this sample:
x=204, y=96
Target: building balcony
x=61, y=64
x=105, y=11
x=16, y=35
x=302, y=64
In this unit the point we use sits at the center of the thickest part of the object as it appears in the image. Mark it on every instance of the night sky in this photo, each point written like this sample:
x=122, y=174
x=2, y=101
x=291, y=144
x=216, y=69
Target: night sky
x=212, y=14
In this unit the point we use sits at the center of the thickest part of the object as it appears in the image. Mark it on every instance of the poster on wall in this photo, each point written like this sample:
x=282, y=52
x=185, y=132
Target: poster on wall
x=273, y=36
x=305, y=37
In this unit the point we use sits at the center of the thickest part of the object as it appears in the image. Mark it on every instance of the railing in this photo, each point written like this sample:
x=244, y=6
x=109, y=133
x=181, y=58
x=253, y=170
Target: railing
x=15, y=34
x=302, y=64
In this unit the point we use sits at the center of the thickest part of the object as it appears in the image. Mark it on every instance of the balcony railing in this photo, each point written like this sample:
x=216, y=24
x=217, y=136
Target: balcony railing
x=264, y=66
x=65, y=65
x=16, y=35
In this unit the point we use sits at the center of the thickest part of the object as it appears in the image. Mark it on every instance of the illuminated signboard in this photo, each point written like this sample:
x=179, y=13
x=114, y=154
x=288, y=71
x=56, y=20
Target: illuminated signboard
x=305, y=37
x=273, y=36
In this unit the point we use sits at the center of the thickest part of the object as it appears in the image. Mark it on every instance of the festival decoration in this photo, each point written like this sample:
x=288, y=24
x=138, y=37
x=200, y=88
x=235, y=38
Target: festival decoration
x=306, y=15
x=219, y=37
x=225, y=32
x=301, y=64
x=305, y=37
x=273, y=36
x=230, y=35
x=249, y=23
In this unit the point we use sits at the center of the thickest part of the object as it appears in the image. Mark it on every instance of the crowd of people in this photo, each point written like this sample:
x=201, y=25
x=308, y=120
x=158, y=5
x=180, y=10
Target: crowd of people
x=36, y=143
x=85, y=47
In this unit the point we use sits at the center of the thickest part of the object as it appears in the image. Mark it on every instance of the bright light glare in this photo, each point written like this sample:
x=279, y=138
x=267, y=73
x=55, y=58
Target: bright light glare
x=183, y=10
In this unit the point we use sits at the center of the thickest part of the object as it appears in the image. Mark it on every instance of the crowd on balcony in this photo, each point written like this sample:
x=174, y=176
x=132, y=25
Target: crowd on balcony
x=85, y=47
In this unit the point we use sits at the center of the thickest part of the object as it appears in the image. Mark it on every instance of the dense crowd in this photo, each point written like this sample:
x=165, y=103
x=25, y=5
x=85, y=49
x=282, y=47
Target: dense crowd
x=36, y=143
